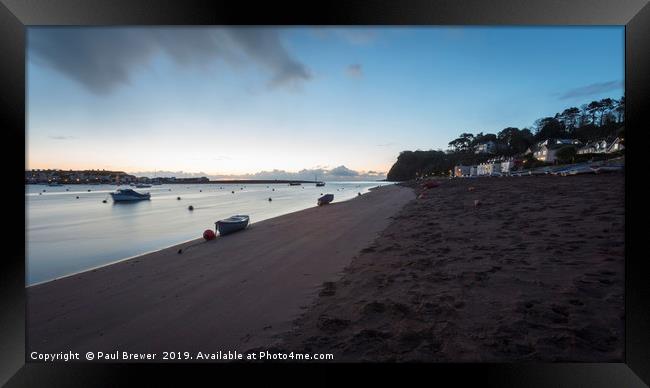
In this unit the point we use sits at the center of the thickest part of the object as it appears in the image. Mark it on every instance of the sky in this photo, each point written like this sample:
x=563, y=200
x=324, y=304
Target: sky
x=276, y=102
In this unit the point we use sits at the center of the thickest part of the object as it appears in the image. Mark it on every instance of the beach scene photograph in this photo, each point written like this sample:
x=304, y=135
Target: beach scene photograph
x=437, y=194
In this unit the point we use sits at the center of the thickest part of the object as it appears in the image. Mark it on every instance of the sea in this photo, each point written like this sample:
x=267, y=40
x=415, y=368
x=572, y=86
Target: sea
x=69, y=229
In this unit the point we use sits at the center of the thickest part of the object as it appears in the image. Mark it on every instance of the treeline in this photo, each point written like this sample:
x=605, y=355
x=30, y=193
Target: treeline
x=590, y=122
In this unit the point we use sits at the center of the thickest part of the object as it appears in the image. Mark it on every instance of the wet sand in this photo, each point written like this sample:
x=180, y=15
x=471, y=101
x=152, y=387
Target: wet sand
x=229, y=294
x=535, y=272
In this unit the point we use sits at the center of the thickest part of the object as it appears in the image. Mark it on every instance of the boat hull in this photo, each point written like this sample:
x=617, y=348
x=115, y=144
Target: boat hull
x=232, y=225
x=129, y=198
x=325, y=199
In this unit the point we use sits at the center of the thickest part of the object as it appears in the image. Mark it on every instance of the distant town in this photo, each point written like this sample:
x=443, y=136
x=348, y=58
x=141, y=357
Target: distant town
x=107, y=177
x=99, y=177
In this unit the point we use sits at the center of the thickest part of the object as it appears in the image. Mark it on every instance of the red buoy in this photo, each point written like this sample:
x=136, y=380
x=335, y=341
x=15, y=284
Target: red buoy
x=209, y=234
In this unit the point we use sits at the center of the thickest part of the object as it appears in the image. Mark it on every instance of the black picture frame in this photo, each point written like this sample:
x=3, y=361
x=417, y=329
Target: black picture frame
x=16, y=15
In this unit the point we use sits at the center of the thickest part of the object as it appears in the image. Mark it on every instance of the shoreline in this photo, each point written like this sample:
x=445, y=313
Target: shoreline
x=176, y=244
x=255, y=280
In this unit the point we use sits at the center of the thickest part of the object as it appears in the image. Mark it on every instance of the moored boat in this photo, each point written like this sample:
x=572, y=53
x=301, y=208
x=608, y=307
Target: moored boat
x=294, y=183
x=127, y=195
x=232, y=224
x=142, y=186
x=325, y=199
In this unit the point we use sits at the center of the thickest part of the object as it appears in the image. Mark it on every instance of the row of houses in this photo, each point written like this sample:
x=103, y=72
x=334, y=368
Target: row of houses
x=491, y=167
x=545, y=151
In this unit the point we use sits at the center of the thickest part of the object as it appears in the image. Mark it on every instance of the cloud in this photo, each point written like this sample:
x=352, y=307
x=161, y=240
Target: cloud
x=61, y=137
x=343, y=172
x=355, y=70
x=592, y=89
x=104, y=58
x=339, y=173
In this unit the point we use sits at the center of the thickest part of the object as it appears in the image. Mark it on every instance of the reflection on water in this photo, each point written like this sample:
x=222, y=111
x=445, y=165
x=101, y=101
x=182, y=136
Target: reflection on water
x=66, y=234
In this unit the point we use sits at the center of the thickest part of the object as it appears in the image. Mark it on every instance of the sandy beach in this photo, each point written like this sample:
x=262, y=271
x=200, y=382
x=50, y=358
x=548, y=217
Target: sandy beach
x=229, y=294
x=534, y=273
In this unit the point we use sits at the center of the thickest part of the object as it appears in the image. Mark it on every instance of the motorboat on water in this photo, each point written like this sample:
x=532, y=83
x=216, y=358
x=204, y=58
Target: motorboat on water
x=325, y=199
x=232, y=224
x=127, y=195
x=318, y=183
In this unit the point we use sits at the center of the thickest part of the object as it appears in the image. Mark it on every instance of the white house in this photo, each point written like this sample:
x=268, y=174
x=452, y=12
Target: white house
x=596, y=147
x=546, y=150
x=507, y=166
x=615, y=146
x=488, y=147
x=488, y=168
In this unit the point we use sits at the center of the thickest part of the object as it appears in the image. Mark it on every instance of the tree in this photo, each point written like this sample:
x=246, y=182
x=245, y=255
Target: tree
x=593, y=109
x=549, y=128
x=620, y=110
x=570, y=118
x=566, y=154
x=462, y=143
x=606, y=105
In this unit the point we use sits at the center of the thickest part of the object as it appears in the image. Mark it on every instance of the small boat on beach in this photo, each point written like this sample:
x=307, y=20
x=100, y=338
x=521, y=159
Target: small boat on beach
x=325, y=199
x=232, y=224
x=578, y=170
x=128, y=195
x=605, y=169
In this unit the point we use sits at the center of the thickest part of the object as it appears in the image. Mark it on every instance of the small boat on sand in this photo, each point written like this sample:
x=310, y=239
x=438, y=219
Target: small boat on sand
x=325, y=199
x=126, y=195
x=578, y=170
x=232, y=224
x=604, y=169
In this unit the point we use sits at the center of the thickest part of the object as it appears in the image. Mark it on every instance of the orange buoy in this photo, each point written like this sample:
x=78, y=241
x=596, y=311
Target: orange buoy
x=209, y=234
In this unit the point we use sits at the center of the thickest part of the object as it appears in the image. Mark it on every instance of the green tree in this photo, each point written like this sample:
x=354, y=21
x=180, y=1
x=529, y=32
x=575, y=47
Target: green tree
x=566, y=154
x=549, y=128
x=462, y=143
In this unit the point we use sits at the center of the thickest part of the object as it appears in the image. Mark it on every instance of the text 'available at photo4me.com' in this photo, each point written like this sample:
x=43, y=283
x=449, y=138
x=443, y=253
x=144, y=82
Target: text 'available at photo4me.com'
x=124, y=356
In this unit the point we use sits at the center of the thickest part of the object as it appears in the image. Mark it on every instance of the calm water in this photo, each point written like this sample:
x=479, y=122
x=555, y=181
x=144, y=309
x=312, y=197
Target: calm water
x=67, y=235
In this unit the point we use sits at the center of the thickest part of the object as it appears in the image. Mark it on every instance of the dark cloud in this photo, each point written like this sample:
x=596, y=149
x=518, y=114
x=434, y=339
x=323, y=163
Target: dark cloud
x=355, y=70
x=103, y=58
x=592, y=89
